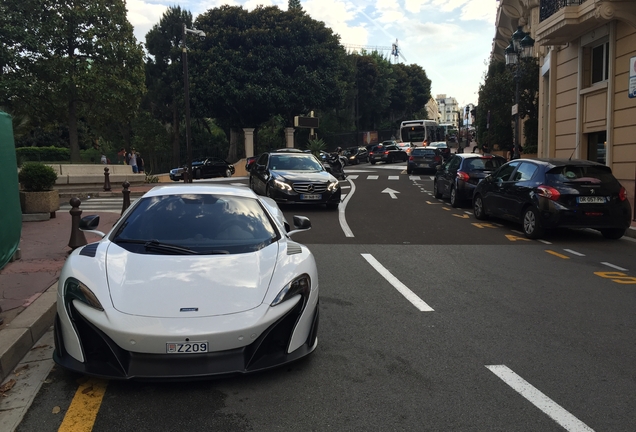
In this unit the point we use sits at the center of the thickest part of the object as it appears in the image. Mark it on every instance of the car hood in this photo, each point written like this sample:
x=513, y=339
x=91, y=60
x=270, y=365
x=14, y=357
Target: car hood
x=305, y=176
x=178, y=286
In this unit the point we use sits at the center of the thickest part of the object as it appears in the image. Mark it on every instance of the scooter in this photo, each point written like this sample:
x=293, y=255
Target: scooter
x=335, y=165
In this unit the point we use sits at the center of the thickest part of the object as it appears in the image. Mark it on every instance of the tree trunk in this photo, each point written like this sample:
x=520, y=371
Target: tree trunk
x=232, y=154
x=176, y=156
x=72, y=129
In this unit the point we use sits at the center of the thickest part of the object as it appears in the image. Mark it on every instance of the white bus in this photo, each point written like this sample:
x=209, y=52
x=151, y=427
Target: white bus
x=419, y=131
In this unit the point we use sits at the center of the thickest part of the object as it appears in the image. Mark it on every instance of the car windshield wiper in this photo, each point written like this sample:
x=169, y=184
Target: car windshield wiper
x=167, y=247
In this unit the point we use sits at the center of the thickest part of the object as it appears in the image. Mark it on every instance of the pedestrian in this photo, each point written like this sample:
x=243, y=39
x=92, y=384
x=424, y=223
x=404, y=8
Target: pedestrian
x=104, y=159
x=121, y=155
x=140, y=163
x=132, y=161
x=485, y=149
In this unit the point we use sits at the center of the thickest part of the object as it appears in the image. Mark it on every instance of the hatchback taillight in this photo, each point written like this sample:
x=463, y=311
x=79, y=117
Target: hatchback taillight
x=411, y=158
x=438, y=159
x=622, y=194
x=462, y=175
x=386, y=152
x=548, y=192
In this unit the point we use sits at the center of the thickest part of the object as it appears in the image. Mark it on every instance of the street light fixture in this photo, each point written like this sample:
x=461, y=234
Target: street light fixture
x=521, y=47
x=187, y=175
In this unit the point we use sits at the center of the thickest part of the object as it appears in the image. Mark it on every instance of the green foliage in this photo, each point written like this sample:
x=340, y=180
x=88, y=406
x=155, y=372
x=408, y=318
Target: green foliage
x=294, y=5
x=496, y=96
x=315, y=146
x=45, y=154
x=81, y=60
x=271, y=134
x=37, y=177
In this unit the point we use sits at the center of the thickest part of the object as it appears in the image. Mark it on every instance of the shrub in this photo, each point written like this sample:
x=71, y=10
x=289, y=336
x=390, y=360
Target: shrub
x=315, y=146
x=37, y=177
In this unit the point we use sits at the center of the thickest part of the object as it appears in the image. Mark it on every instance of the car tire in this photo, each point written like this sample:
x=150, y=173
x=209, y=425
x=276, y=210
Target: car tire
x=372, y=162
x=389, y=160
x=197, y=174
x=454, y=201
x=613, y=233
x=409, y=171
x=436, y=193
x=531, y=223
x=227, y=173
x=478, y=208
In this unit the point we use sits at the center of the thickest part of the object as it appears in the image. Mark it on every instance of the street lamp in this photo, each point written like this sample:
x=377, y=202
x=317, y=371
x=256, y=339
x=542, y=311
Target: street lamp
x=187, y=175
x=521, y=47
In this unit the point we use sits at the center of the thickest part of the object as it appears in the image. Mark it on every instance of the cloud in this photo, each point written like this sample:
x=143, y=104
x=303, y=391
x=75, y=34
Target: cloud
x=340, y=16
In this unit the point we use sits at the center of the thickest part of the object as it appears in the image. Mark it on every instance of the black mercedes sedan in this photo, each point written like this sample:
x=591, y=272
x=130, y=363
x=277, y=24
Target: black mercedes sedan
x=288, y=177
x=208, y=167
x=552, y=193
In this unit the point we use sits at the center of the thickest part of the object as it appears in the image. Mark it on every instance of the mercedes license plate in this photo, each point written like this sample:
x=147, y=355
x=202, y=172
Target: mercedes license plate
x=186, y=347
x=591, y=200
x=310, y=196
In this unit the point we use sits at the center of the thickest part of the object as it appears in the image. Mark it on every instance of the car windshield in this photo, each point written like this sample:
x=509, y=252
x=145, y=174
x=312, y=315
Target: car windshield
x=483, y=164
x=351, y=151
x=572, y=174
x=294, y=162
x=422, y=152
x=198, y=223
x=438, y=144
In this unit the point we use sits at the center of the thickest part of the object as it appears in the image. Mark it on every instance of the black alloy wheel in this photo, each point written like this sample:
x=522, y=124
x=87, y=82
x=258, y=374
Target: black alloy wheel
x=531, y=224
x=227, y=173
x=436, y=193
x=478, y=208
x=454, y=201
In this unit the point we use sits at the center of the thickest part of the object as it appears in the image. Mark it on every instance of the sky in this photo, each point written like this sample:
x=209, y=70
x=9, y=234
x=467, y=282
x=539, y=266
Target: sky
x=450, y=39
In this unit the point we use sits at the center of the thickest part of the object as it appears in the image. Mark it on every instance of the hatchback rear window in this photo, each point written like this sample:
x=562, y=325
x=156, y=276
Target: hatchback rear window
x=573, y=174
x=483, y=164
x=422, y=152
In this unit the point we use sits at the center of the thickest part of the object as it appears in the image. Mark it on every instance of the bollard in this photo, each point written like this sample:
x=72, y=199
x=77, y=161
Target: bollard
x=77, y=237
x=106, y=179
x=126, y=193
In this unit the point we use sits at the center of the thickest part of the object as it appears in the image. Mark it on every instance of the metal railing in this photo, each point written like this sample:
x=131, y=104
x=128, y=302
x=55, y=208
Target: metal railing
x=550, y=7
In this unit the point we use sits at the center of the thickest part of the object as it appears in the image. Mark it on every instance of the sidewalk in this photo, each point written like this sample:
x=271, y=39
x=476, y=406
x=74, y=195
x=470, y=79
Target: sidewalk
x=28, y=286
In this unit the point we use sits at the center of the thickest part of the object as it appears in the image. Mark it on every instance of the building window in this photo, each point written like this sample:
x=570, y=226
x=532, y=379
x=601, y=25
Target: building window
x=597, y=147
x=600, y=62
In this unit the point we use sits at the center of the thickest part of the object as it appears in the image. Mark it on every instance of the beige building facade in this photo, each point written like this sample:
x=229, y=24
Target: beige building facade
x=587, y=57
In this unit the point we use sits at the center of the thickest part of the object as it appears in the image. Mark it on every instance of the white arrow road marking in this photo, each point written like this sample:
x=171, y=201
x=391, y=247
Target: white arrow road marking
x=391, y=192
x=403, y=289
x=540, y=400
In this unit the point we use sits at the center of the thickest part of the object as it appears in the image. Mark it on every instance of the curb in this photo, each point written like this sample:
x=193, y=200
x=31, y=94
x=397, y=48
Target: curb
x=19, y=336
x=631, y=232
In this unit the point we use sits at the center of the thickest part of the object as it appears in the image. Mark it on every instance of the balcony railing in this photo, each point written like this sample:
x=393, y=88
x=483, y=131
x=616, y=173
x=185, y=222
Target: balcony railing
x=550, y=7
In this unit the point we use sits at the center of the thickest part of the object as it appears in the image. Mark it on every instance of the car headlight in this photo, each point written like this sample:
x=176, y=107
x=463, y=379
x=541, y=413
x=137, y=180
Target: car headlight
x=76, y=290
x=333, y=186
x=282, y=185
x=352, y=157
x=301, y=285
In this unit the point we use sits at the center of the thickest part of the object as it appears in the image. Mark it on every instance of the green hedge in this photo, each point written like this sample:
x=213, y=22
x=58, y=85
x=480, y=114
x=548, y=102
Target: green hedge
x=42, y=154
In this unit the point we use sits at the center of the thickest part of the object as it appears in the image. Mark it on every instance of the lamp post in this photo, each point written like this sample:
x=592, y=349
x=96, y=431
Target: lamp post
x=521, y=47
x=187, y=175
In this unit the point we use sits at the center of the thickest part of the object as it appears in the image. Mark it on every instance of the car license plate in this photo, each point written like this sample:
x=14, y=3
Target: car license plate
x=310, y=196
x=186, y=347
x=591, y=200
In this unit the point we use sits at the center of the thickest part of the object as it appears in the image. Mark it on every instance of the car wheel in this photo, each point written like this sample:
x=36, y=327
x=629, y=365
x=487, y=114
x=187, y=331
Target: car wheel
x=613, y=233
x=478, y=208
x=436, y=193
x=531, y=224
x=227, y=173
x=197, y=174
x=372, y=162
x=454, y=201
x=409, y=171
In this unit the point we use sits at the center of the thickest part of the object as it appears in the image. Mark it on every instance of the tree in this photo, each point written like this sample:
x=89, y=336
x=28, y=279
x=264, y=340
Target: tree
x=294, y=5
x=254, y=65
x=164, y=73
x=67, y=60
x=494, y=120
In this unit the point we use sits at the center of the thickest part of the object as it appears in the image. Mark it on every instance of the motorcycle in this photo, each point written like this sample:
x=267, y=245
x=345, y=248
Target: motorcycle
x=334, y=164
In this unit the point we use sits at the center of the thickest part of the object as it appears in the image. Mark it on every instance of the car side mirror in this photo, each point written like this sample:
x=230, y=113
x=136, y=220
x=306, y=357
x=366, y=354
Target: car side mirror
x=89, y=224
x=301, y=223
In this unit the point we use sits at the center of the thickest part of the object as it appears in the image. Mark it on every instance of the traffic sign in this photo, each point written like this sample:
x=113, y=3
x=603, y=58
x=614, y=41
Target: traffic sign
x=306, y=122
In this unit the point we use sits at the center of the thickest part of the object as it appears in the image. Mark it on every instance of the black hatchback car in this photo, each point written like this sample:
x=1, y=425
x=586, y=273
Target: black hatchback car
x=290, y=177
x=355, y=155
x=459, y=176
x=423, y=158
x=553, y=193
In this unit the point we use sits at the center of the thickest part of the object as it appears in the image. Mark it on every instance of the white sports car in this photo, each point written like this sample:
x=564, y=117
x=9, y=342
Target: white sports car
x=192, y=281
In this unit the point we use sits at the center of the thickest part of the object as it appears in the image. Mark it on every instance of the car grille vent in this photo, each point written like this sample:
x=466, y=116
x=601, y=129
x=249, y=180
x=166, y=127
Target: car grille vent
x=310, y=188
x=293, y=248
x=89, y=250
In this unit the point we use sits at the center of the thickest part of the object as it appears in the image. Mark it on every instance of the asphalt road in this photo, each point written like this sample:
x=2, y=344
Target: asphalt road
x=430, y=321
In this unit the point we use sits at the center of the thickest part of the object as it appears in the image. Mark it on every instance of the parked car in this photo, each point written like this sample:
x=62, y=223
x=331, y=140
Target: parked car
x=205, y=168
x=170, y=289
x=290, y=177
x=387, y=153
x=355, y=155
x=443, y=148
x=458, y=177
x=423, y=158
x=406, y=146
x=551, y=193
